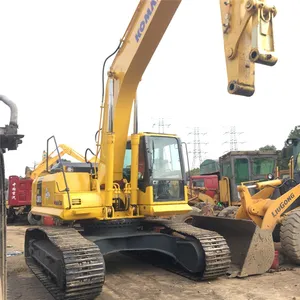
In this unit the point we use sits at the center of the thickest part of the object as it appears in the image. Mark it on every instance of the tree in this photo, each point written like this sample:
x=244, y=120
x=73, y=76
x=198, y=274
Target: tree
x=295, y=133
x=267, y=148
x=287, y=151
x=193, y=172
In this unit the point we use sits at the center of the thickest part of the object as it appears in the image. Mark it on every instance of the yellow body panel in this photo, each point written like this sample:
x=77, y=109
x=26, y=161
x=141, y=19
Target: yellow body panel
x=86, y=203
x=224, y=187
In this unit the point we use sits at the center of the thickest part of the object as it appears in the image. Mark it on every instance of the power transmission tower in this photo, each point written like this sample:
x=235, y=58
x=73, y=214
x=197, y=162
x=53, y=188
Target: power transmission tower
x=161, y=125
x=233, y=140
x=197, y=150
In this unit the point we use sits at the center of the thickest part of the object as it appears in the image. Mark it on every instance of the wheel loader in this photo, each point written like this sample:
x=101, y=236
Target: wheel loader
x=9, y=140
x=122, y=202
x=275, y=207
x=214, y=191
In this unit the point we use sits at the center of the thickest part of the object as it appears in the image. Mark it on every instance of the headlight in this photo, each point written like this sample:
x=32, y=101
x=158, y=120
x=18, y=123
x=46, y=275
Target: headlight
x=270, y=176
x=289, y=141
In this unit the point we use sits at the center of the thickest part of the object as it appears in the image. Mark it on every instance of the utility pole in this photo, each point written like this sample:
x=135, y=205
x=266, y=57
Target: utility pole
x=161, y=125
x=233, y=138
x=197, y=149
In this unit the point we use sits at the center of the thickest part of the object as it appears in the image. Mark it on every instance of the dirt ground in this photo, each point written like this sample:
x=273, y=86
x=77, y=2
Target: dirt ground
x=130, y=279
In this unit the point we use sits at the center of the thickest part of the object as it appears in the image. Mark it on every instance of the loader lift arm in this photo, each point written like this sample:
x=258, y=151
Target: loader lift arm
x=262, y=210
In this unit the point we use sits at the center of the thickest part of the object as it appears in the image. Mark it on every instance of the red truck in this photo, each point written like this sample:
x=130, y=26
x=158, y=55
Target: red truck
x=19, y=197
x=209, y=182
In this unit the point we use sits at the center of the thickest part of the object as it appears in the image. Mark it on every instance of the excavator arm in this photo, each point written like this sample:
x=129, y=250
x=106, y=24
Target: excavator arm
x=248, y=39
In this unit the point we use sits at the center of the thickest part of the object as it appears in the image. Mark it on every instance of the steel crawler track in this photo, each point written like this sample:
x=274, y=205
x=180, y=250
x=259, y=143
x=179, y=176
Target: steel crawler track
x=217, y=253
x=84, y=266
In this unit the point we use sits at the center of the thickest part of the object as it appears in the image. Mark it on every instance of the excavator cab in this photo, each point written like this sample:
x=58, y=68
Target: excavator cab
x=161, y=174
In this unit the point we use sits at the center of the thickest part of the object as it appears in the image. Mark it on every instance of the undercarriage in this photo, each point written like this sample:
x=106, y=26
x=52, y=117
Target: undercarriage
x=70, y=264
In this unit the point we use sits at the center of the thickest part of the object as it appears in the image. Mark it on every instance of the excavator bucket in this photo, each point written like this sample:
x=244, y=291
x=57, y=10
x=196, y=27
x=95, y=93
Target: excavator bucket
x=252, y=249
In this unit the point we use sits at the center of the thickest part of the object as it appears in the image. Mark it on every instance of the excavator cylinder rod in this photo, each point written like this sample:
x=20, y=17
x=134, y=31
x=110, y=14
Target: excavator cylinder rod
x=252, y=249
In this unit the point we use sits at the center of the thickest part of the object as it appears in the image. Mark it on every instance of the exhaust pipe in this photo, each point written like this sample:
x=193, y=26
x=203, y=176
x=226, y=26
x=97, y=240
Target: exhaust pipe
x=13, y=110
x=9, y=137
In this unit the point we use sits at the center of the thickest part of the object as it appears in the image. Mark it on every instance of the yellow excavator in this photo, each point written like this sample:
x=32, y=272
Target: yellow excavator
x=123, y=201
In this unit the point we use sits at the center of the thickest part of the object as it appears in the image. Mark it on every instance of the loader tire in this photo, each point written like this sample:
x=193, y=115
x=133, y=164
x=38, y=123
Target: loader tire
x=228, y=212
x=290, y=236
x=34, y=220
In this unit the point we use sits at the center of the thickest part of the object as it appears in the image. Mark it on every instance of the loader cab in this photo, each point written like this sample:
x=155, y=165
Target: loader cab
x=244, y=167
x=160, y=166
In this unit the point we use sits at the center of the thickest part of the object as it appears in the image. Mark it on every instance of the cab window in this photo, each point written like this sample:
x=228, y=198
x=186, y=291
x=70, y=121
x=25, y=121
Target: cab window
x=241, y=170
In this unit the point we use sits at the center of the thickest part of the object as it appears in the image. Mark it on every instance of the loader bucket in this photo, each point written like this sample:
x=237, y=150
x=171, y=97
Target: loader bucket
x=252, y=249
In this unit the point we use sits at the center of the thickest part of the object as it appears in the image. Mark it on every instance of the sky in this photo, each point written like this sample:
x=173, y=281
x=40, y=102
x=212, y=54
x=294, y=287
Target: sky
x=51, y=58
